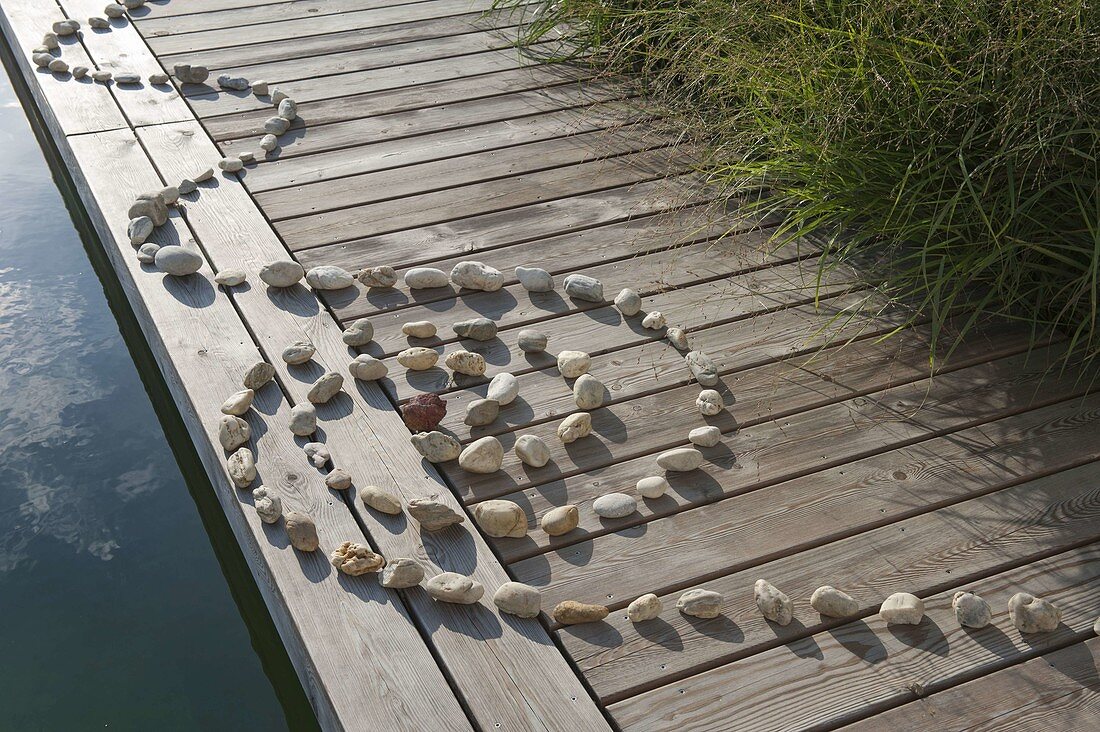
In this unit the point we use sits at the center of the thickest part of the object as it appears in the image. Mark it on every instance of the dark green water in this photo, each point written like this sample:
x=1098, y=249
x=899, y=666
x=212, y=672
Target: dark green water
x=124, y=600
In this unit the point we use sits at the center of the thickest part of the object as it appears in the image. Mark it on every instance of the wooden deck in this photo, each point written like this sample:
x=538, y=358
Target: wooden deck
x=423, y=138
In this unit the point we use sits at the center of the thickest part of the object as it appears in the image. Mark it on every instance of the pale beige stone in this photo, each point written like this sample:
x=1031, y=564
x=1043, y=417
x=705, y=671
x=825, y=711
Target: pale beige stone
x=571, y=612
x=355, y=559
x=380, y=500
x=516, y=598
x=418, y=358
x=482, y=456
x=454, y=587
x=401, y=573
x=1032, y=614
x=646, y=607
x=499, y=519
x=574, y=427
x=902, y=608
x=301, y=531
x=433, y=515
x=773, y=604
x=560, y=520
x=700, y=603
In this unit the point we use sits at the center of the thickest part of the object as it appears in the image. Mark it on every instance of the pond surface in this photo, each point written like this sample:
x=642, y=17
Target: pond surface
x=124, y=598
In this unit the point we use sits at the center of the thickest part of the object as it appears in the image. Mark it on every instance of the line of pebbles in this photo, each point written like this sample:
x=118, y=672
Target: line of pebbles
x=423, y=413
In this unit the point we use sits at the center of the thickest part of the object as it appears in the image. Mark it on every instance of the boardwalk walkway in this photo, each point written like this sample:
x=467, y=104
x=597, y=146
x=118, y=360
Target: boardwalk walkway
x=424, y=139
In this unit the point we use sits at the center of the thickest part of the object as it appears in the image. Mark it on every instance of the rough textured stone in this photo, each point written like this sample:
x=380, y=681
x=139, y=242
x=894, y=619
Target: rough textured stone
x=583, y=287
x=50, y=42
x=277, y=97
x=773, y=604
x=970, y=610
x=359, y=333
x=481, y=412
x=574, y=427
x=614, y=505
x=478, y=329
x=269, y=142
x=534, y=279
x=700, y=603
x=380, y=500
x=241, y=467
x=257, y=375
x=187, y=186
x=301, y=531
x=425, y=278
x=233, y=83
x=572, y=364
x=482, y=456
x=355, y=559
x=531, y=450
x=401, y=573
x=902, y=608
x=58, y=66
x=139, y=230
x=283, y=273
x=238, y=403
x=158, y=79
x=233, y=432
x=705, y=436
x=628, y=302
x=472, y=275
x=276, y=125
x=418, y=358
x=419, y=329
x=231, y=165
x=531, y=341
x=188, y=74
x=560, y=520
x=381, y=277
x=260, y=88
x=66, y=27
x=268, y=505
x=464, y=362
x=832, y=603
x=437, y=447
x=204, y=176
x=329, y=277
x=317, y=453
x=303, y=419
x=298, y=353
x=288, y=109
x=680, y=459
x=516, y=598
x=230, y=277
x=654, y=320
x=571, y=612
x=147, y=252
x=367, y=368
x=326, y=387
x=454, y=587
x=504, y=388
x=424, y=412
x=646, y=607
x=654, y=486
x=588, y=392
x=678, y=338
x=500, y=519
x=702, y=368
x=433, y=515
x=178, y=261
x=1032, y=614
x=709, y=403
x=338, y=479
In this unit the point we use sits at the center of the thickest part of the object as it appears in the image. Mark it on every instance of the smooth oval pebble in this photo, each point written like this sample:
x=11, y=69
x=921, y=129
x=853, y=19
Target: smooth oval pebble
x=418, y=358
x=902, y=608
x=574, y=427
x=298, y=353
x=367, y=368
x=338, y=479
x=560, y=520
x=700, y=603
x=499, y=519
x=380, y=500
x=531, y=450
x=419, y=329
x=425, y=278
x=478, y=329
x=359, y=333
x=680, y=459
x=472, y=275
x=646, y=607
x=302, y=531
x=702, y=367
x=147, y=252
x=482, y=456
x=572, y=364
x=288, y=109
x=614, y=505
x=516, y=598
x=678, y=338
x=583, y=287
x=282, y=273
x=239, y=403
x=705, y=436
x=139, y=230
x=588, y=392
x=326, y=387
x=329, y=277
x=628, y=302
x=571, y=612
x=230, y=277
x=832, y=603
x=276, y=125
x=229, y=165
x=531, y=341
x=454, y=587
x=303, y=419
x=401, y=573
x=481, y=412
x=534, y=279
x=654, y=486
x=503, y=388
x=178, y=261
x=269, y=142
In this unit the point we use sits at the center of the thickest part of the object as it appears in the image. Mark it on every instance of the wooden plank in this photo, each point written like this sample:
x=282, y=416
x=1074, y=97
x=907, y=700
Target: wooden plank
x=121, y=48
x=1058, y=690
x=327, y=43
x=434, y=107
x=168, y=8
x=433, y=146
x=310, y=26
x=715, y=544
x=620, y=659
x=190, y=20
x=475, y=168
x=507, y=670
x=328, y=623
x=74, y=106
x=864, y=667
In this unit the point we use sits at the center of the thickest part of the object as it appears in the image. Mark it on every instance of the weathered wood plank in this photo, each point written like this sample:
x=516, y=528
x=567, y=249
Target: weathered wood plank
x=506, y=669
x=329, y=623
x=620, y=659
x=192, y=20
x=864, y=667
x=433, y=146
x=1059, y=690
x=121, y=48
x=168, y=8
x=415, y=180
x=73, y=106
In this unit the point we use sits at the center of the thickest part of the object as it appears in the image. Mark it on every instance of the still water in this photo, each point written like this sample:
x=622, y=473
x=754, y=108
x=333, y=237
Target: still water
x=124, y=600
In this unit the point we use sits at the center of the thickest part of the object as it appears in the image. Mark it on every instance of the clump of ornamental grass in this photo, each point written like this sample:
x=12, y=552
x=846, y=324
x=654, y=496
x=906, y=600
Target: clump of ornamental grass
x=953, y=141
